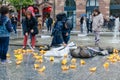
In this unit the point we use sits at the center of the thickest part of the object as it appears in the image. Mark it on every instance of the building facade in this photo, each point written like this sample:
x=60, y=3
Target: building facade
x=76, y=8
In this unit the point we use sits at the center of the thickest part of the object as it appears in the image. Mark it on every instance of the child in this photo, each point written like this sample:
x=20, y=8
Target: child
x=97, y=23
x=29, y=28
x=5, y=29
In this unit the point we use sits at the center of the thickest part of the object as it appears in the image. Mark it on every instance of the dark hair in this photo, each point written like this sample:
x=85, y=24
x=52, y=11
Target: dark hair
x=28, y=12
x=4, y=10
x=96, y=10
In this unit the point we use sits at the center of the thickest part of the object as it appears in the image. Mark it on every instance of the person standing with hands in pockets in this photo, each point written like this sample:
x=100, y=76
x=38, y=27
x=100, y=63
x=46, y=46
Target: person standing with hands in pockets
x=97, y=24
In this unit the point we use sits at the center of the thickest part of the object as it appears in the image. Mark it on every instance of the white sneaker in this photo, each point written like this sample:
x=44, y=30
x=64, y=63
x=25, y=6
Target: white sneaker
x=6, y=61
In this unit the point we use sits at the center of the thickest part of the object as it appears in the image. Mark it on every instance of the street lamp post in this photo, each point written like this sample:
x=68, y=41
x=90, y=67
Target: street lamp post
x=20, y=12
x=54, y=7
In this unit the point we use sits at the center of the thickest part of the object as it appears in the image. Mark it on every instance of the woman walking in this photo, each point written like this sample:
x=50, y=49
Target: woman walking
x=97, y=24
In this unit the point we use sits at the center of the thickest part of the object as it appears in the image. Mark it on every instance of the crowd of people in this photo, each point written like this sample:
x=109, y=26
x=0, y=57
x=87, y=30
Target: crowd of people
x=60, y=31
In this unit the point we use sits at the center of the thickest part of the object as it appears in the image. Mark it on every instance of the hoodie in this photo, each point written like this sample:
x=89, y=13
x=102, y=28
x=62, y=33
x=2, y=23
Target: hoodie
x=5, y=26
x=97, y=22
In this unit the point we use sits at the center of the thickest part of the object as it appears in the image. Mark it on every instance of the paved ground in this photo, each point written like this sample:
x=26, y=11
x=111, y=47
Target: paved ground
x=53, y=71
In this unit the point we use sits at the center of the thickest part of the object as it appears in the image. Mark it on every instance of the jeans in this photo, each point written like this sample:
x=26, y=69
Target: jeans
x=15, y=27
x=4, y=43
x=97, y=37
x=66, y=39
x=49, y=27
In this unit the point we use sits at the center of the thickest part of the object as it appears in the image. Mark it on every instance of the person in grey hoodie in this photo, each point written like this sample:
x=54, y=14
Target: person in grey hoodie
x=97, y=24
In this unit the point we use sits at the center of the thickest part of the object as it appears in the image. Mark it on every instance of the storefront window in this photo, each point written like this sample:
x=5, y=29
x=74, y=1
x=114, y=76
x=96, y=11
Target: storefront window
x=70, y=3
x=115, y=7
x=70, y=10
x=91, y=5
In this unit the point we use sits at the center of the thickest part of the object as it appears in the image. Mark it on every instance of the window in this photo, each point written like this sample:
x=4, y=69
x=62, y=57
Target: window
x=92, y=3
x=70, y=3
x=46, y=0
x=115, y=2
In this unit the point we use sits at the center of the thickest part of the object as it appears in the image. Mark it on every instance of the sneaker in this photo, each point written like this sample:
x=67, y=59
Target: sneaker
x=23, y=47
x=5, y=61
x=33, y=47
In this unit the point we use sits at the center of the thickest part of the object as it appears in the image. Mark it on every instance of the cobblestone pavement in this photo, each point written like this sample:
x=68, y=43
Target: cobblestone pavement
x=53, y=71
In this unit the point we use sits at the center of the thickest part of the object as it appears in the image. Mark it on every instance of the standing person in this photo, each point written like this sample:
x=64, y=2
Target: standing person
x=5, y=29
x=30, y=28
x=40, y=24
x=97, y=24
x=46, y=23
x=117, y=26
x=89, y=24
x=14, y=23
x=50, y=21
x=57, y=32
x=84, y=26
x=81, y=24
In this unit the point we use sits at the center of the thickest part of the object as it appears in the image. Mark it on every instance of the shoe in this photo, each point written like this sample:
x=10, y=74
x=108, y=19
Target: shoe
x=23, y=47
x=6, y=61
x=33, y=47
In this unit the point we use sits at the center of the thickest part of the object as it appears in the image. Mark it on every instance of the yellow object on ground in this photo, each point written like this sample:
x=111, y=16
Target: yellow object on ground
x=93, y=69
x=64, y=67
x=42, y=69
x=52, y=58
x=18, y=62
x=64, y=62
x=106, y=65
x=36, y=66
x=8, y=55
x=82, y=62
x=73, y=61
x=73, y=66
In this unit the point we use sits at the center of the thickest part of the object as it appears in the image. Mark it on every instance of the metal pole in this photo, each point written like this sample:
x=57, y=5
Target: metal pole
x=54, y=9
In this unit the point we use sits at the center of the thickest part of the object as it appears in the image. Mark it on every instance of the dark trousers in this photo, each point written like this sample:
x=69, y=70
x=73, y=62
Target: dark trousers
x=89, y=27
x=49, y=27
x=66, y=39
x=4, y=43
x=15, y=27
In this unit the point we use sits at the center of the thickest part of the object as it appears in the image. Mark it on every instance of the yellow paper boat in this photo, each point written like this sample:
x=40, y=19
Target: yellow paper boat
x=106, y=65
x=8, y=55
x=73, y=66
x=93, y=69
x=73, y=61
x=64, y=67
x=42, y=69
x=114, y=60
x=36, y=66
x=65, y=55
x=82, y=62
x=64, y=62
x=39, y=60
x=51, y=58
x=41, y=47
x=18, y=62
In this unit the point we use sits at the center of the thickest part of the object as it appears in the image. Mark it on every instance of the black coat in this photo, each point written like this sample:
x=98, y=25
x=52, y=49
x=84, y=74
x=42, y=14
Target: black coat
x=28, y=25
